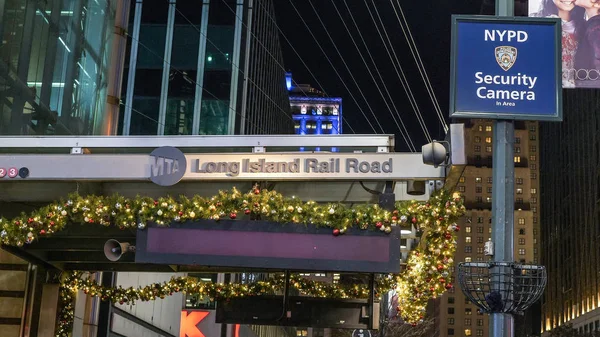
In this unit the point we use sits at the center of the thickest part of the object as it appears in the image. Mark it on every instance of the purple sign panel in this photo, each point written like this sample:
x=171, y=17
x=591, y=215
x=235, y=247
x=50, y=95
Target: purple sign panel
x=267, y=245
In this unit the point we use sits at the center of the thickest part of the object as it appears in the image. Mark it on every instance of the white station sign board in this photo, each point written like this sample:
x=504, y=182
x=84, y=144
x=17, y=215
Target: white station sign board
x=167, y=165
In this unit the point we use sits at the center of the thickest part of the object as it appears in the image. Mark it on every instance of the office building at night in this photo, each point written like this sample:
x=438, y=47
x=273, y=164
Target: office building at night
x=314, y=113
x=454, y=314
x=570, y=214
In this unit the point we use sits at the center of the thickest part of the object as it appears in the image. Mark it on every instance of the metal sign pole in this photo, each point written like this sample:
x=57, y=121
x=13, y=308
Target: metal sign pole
x=503, y=172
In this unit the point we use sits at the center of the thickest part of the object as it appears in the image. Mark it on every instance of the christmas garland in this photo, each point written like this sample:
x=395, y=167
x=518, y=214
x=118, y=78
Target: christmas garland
x=425, y=276
x=215, y=291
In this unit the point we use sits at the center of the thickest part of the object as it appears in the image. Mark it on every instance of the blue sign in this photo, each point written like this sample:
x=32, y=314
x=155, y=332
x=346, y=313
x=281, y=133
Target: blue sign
x=506, y=68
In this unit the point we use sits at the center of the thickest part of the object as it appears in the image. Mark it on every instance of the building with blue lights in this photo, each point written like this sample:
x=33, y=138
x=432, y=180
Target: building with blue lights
x=313, y=112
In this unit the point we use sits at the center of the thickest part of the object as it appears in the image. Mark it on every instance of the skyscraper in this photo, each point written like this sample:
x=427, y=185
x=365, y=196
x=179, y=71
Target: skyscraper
x=455, y=314
x=570, y=214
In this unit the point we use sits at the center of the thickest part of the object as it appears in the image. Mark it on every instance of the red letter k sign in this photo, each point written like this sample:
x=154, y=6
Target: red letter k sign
x=189, y=322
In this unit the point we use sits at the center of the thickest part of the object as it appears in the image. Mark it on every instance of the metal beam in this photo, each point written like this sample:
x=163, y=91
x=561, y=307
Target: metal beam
x=79, y=257
x=182, y=142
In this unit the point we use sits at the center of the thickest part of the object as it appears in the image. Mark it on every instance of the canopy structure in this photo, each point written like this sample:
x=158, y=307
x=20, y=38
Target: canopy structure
x=35, y=171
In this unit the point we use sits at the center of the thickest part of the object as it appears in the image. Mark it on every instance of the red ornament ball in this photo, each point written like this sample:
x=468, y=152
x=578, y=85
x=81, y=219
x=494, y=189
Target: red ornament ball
x=256, y=191
x=457, y=228
x=442, y=280
x=432, y=289
x=246, y=211
x=233, y=215
x=449, y=286
x=336, y=232
x=395, y=212
x=42, y=232
x=448, y=236
x=414, y=325
x=180, y=213
x=51, y=223
x=378, y=224
x=440, y=267
x=395, y=218
x=414, y=220
x=155, y=203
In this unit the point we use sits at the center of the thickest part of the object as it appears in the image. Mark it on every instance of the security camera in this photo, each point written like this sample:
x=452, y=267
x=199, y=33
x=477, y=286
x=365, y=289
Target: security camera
x=435, y=153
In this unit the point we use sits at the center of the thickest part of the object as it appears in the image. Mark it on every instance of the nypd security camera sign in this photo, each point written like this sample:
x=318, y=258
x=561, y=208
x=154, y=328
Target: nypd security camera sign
x=506, y=68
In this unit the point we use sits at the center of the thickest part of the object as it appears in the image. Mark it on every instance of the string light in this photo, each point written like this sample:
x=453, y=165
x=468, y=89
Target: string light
x=427, y=272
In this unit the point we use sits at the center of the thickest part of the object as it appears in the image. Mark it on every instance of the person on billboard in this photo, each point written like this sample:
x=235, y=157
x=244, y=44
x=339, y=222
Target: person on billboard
x=571, y=17
x=588, y=52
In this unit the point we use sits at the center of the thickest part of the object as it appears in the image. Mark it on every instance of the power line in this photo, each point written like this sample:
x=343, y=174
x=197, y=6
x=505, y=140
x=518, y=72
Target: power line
x=335, y=70
x=344, y=62
x=399, y=71
x=417, y=57
x=404, y=133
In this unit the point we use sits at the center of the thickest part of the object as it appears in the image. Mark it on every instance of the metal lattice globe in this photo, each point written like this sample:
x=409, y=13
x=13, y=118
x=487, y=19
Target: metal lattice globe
x=502, y=287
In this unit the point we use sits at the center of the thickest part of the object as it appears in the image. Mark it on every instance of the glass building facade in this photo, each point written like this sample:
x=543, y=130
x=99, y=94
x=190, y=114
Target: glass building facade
x=54, y=66
x=190, y=70
x=141, y=67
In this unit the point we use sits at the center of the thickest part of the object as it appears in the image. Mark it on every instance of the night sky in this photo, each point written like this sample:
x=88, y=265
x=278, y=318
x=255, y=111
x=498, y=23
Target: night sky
x=429, y=22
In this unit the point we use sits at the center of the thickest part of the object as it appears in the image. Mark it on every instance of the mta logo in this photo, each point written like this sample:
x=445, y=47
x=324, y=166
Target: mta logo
x=167, y=166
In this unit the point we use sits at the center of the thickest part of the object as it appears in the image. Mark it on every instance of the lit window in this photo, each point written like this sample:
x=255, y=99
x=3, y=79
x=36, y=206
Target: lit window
x=490, y=230
x=532, y=157
x=297, y=126
x=533, y=200
x=461, y=188
x=467, y=259
x=533, y=166
x=467, y=332
x=468, y=229
x=521, y=241
x=521, y=221
x=480, y=128
x=519, y=181
x=517, y=149
x=488, y=149
x=533, y=175
x=301, y=333
x=489, y=180
x=468, y=249
x=479, y=332
x=467, y=321
x=534, y=209
x=478, y=180
x=479, y=322
x=533, y=191
x=488, y=199
x=488, y=128
x=468, y=311
x=517, y=159
x=521, y=251
x=462, y=179
x=519, y=191
x=488, y=140
x=479, y=250
x=468, y=239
